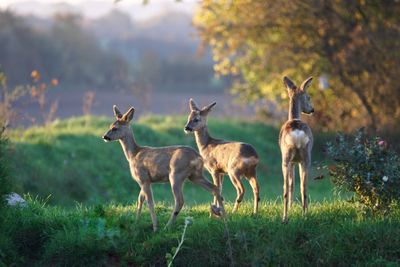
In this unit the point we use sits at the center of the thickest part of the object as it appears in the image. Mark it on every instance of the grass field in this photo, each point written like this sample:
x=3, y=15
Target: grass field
x=332, y=234
x=89, y=218
x=69, y=161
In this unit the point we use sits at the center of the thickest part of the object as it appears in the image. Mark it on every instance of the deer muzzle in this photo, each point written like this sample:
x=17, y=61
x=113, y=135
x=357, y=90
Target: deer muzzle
x=188, y=129
x=106, y=138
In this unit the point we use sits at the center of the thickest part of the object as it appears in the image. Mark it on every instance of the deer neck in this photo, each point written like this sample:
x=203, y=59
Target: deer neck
x=129, y=146
x=294, y=108
x=203, y=138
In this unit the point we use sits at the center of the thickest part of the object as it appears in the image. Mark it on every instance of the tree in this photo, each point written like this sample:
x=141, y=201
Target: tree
x=355, y=44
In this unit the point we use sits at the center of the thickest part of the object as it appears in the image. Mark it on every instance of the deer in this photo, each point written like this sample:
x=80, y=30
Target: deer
x=295, y=142
x=148, y=165
x=224, y=157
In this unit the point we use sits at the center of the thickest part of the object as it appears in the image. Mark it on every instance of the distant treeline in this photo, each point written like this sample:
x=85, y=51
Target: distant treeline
x=108, y=53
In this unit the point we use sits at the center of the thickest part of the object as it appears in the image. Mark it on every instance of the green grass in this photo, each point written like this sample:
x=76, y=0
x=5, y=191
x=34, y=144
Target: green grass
x=332, y=234
x=89, y=220
x=69, y=161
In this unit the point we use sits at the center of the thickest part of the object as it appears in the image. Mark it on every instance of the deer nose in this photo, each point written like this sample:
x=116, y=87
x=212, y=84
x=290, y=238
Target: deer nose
x=188, y=129
x=106, y=138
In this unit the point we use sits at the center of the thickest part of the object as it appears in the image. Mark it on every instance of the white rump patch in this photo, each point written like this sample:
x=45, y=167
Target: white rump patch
x=297, y=138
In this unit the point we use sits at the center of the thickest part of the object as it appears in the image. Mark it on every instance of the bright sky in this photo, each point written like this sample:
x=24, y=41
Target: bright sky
x=95, y=8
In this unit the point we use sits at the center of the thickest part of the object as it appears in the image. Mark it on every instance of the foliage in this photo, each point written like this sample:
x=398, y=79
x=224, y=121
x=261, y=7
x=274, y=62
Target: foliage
x=5, y=179
x=332, y=234
x=6, y=187
x=368, y=168
x=8, y=97
x=69, y=161
x=38, y=91
x=352, y=44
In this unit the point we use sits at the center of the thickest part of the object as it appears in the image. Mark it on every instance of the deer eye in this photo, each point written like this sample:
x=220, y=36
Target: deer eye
x=113, y=129
x=196, y=120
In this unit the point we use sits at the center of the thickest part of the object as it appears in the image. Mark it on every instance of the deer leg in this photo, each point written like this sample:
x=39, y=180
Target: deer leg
x=254, y=185
x=291, y=180
x=149, y=198
x=141, y=199
x=217, y=182
x=176, y=185
x=203, y=182
x=235, y=178
x=304, y=169
x=221, y=179
x=285, y=170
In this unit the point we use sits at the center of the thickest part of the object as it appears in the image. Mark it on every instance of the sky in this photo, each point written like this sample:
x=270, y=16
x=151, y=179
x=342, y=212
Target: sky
x=96, y=8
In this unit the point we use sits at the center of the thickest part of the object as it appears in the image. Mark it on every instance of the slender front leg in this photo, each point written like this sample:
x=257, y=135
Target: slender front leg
x=285, y=170
x=235, y=178
x=141, y=199
x=304, y=169
x=254, y=185
x=217, y=183
x=149, y=198
x=203, y=182
x=176, y=186
x=291, y=181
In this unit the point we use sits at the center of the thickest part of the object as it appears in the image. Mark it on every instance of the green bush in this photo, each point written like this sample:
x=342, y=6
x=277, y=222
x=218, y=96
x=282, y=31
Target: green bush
x=5, y=183
x=5, y=188
x=366, y=166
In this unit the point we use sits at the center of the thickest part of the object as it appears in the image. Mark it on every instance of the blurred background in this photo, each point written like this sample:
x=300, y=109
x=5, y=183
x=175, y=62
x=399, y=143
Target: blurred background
x=72, y=58
x=156, y=54
x=125, y=53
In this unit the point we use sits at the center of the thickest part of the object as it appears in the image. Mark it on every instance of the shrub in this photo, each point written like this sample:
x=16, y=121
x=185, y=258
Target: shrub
x=5, y=188
x=5, y=183
x=366, y=166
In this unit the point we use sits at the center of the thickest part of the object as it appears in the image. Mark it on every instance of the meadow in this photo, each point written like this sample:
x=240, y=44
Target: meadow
x=332, y=234
x=81, y=206
x=68, y=162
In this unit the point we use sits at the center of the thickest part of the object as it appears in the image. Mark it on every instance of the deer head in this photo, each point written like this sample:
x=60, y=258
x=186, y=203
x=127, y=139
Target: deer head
x=120, y=127
x=198, y=117
x=300, y=95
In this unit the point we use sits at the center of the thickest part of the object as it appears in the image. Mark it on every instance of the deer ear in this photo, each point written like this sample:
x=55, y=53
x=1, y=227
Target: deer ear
x=306, y=84
x=289, y=84
x=208, y=108
x=129, y=115
x=117, y=113
x=193, y=105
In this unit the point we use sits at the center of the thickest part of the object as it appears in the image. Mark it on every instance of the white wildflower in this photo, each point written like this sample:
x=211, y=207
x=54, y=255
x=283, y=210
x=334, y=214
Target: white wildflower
x=385, y=178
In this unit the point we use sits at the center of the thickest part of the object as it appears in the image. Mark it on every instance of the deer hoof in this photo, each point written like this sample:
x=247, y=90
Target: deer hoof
x=215, y=210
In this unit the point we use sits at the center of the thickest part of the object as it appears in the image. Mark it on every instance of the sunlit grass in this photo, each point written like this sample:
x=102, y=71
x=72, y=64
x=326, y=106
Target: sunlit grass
x=332, y=233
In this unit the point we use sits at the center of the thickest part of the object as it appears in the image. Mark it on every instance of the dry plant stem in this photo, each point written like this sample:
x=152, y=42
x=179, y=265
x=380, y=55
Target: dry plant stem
x=180, y=243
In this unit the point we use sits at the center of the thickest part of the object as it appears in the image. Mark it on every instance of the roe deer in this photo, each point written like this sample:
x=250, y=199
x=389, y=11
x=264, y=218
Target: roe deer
x=223, y=157
x=159, y=165
x=295, y=142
